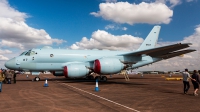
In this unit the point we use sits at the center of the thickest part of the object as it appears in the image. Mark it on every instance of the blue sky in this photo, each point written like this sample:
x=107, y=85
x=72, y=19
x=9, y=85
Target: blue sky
x=88, y=24
x=71, y=19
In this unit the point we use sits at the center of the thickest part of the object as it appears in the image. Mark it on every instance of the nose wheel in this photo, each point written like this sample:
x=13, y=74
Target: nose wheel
x=36, y=79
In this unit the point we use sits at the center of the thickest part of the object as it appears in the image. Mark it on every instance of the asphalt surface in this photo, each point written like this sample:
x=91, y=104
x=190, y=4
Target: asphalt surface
x=150, y=93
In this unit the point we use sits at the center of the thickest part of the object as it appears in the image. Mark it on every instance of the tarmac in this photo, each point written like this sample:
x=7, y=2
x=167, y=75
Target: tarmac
x=150, y=93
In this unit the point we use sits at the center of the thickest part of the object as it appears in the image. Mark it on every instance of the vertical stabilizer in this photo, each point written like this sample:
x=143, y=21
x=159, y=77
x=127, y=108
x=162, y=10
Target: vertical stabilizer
x=151, y=39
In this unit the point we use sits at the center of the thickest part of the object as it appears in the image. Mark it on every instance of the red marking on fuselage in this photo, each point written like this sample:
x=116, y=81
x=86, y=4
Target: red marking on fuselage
x=97, y=66
x=65, y=71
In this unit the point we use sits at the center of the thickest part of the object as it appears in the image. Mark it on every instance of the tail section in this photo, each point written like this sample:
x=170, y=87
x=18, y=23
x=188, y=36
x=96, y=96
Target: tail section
x=151, y=39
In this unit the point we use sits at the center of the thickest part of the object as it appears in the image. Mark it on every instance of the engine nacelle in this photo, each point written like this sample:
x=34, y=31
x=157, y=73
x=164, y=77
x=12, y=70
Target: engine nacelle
x=58, y=73
x=108, y=66
x=75, y=70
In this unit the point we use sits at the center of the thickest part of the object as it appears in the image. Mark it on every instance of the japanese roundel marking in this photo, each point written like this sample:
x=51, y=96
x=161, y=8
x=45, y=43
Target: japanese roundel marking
x=65, y=72
x=51, y=55
x=97, y=66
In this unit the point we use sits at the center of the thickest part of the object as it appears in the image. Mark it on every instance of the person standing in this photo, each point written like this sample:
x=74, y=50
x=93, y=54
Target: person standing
x=195, y=82
x=14, y=76
x=9, y=77
x=186, y=84
x=1, y=76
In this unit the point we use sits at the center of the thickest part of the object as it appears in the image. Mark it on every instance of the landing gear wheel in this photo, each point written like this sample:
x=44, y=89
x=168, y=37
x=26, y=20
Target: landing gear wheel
x=98, y=78
x=104, y=78
x=91, y=77
x=37, y=79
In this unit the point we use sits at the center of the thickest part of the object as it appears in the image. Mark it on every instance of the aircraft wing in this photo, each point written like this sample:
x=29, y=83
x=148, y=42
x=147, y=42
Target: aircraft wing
x=178, y=53
x=159, y=51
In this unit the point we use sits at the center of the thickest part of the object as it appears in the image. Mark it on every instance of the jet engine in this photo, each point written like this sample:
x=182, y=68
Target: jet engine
x=75, y=70
x=108, y=66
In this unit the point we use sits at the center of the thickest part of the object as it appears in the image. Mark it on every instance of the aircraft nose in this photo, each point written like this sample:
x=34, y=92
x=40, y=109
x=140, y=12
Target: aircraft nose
x=10, y=64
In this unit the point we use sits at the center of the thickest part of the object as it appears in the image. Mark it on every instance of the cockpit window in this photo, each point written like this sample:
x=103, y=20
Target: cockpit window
x=30, y=53
x=23, y=53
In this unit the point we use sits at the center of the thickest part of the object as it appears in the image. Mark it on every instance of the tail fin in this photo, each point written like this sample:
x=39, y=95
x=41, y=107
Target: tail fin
x=151, y=39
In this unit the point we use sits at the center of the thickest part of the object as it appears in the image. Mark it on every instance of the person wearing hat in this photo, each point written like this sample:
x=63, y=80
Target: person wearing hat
x=186, y=84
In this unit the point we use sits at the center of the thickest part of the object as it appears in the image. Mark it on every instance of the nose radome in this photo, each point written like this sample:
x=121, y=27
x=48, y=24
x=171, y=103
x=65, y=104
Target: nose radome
x=10, y=64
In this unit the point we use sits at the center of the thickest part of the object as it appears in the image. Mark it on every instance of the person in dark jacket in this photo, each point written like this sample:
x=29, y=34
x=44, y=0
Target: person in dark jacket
x=14, y=76
x=195, y=82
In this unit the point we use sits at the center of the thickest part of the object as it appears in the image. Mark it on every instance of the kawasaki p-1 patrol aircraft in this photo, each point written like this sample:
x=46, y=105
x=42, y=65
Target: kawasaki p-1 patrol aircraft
x=83, y=63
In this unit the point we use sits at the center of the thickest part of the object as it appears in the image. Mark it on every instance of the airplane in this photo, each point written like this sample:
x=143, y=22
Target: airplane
x=85, y=63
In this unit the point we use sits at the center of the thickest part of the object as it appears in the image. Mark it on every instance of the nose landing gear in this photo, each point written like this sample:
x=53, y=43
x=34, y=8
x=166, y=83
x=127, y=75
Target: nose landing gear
x=36, y=79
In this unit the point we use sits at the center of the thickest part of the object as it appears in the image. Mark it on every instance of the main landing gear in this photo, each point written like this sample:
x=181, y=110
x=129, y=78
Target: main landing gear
x=101, y=78
x=90, y=77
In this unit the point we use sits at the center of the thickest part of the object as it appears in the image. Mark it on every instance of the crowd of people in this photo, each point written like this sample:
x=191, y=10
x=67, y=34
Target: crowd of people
x=195, y=81
x=7, y=75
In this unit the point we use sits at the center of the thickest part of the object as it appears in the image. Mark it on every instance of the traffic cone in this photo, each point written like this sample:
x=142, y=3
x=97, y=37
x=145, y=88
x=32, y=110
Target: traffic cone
x=96, y=88
x=46, y=83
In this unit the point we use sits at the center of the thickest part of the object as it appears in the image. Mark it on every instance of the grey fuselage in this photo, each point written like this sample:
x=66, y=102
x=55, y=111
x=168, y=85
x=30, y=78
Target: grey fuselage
x=55, y=59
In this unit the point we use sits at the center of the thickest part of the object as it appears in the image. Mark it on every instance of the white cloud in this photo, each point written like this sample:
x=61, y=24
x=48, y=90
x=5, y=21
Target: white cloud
x=124, y=12
x=5, y=51
x=10, y=44
x=124, y=28
x=7, y=11
x=190, y=60
x=14, y=32
x=110, y=27
x=111, y=0
x=103, y=40
x=172, y=3
x=2, y=53
x=22, y=35
x=3, y=58
x=115, y=27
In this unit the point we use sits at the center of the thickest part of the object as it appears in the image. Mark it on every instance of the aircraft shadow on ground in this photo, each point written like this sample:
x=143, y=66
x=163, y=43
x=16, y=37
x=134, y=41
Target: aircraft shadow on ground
x=89, y=82
x=92, y=82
